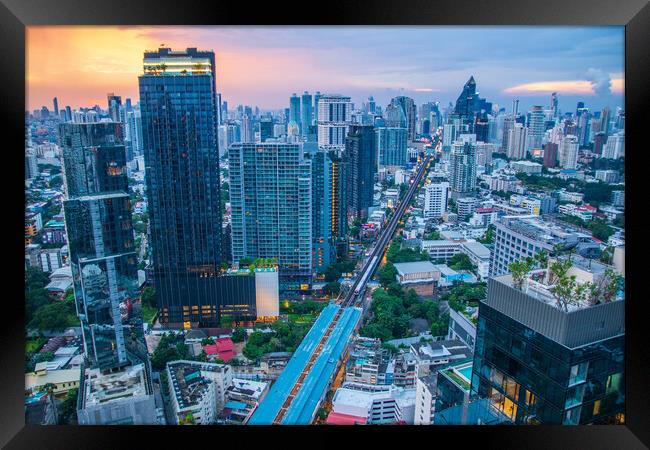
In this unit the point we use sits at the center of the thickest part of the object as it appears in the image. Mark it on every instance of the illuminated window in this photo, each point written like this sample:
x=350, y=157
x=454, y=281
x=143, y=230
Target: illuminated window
x=596, y=408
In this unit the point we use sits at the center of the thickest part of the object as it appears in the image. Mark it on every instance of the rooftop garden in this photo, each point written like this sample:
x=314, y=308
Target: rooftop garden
x=557, y=279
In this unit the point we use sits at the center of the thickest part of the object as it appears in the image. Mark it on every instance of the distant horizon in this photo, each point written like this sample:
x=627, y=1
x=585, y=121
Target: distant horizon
x=525, y=63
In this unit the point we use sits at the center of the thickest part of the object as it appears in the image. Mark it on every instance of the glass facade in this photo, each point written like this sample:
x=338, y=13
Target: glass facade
x=391, y=146
x=179, y=122
x=271, y=202
x=324, y=252
x=100, y=239
x=360, y=151
x=533, y=379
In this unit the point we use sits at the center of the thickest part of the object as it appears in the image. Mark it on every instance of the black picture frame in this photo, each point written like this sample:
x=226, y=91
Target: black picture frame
x=15, y=15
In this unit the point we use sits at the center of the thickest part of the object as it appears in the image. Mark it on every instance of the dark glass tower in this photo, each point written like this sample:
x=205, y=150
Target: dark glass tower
x=100, y=238
x=179, y=119
x=540, y=364
x=361, y=152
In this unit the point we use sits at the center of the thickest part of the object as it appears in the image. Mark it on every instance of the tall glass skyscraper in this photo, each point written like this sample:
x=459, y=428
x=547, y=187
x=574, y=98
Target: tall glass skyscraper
x=294, y=110
x=361, y=154
x=408, y=107
x=271, y=201
x=100, y=239
x=324, y=252
x=179, y=125
x=392, y=145
x=462, y=161
x=305, y=113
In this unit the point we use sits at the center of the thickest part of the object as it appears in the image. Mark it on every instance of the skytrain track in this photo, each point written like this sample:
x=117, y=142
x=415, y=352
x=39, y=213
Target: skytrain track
x=355, y=294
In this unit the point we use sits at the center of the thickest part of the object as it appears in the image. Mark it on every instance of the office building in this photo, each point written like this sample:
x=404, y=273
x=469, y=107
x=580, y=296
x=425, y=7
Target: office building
x=179, y=124
x=540, y=360
x=305, y=113
x=114, y=107
x=407, y=105
x=271, y=202
x=568, y=152
x=334, y=117
x=360, y=151
x=100, y=243
x=294, y=110
x=323, y=204
x=436, y=198
x=391, y=146
x=266, y=129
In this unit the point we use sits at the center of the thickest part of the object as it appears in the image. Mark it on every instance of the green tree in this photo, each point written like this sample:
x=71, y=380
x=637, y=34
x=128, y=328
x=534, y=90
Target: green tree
x=149, y=296
x=68, y=407
x=53, y=316
x=460, y=261
x=238, y=335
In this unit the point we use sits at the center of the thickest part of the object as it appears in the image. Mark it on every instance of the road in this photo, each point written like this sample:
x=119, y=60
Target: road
x=355, y=293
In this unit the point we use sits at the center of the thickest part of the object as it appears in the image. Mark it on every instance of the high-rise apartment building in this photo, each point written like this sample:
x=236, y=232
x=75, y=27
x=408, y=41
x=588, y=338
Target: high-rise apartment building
x=550, y=154
x=114, y=107
x=100, y=239
x=360, y=151
x=535, y=129
x=516, y=238
x=271, y=202
x=517, y=139
x=436, y=197
x=540, y=360
x=462, y=166
x=179, y=130
x=615, y=146
x=334, y=117
x=568, y=152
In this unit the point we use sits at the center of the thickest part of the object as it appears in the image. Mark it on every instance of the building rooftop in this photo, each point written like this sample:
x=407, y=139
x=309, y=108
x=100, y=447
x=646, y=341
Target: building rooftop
x=477, y=249
x=101, y=388
x=188, y=381
x=414, y=267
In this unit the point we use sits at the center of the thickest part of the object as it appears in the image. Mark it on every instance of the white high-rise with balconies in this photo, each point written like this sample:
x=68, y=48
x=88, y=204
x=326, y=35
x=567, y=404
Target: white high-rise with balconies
x=568, y=152
x=334, y=117
x=436, y=196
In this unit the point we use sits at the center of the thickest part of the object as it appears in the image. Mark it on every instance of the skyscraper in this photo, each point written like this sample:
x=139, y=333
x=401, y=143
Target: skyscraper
x=462, y=163
x=315, y=112
x=535, y=129
x=305, y=113
x=334, y=117
x=247, y=133
x=408, y=107
x=266, y=129
x=554, y=105
x=391, y=145
x=55, y=103
x=517, y=138
x=179, y=122
x=568, y=152
x=271, y=201
x=294, y=110
x=360, y=150
x=323, y=204
x=100, y=240
x=114, y=107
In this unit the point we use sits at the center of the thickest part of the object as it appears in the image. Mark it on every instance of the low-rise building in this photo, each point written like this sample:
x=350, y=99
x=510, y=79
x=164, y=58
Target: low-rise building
x=242, y=398
x=431, y=356
x=117, y=398
x=479, y=255
x=441, y=249
x=367, y=362
x=462, y=327
x=62, y=380
x=197, y=390
x=419, y=275
x=528, y=167
x=356, y=403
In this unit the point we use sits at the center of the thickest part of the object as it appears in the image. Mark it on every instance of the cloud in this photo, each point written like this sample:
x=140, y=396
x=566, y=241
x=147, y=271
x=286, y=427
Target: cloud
x=600, y=81
x=546, y=87
x=425, y=90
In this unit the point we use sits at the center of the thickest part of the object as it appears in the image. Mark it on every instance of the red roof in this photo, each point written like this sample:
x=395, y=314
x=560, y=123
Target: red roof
x=222, y=348
x=335, y=418
x=484, y=210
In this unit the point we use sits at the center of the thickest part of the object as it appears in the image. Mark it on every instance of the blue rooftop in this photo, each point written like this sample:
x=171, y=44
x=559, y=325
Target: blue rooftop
x=304, y=404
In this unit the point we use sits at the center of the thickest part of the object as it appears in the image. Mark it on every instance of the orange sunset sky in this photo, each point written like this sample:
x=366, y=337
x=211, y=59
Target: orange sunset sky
x=264, y=65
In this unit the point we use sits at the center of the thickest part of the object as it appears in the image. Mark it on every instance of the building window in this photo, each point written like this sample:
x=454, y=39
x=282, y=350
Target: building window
x=596, y=410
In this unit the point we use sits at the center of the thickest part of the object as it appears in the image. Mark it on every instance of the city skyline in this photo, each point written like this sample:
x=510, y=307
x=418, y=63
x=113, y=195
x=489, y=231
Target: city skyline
x=263, y=66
